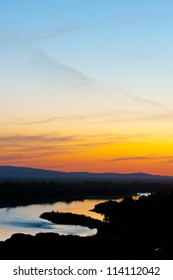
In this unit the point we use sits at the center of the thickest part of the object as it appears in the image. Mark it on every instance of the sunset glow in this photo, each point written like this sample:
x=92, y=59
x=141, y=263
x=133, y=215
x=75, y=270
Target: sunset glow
x=87, y=86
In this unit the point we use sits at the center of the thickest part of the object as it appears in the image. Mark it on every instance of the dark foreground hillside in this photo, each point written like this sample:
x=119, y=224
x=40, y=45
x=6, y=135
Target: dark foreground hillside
x=51, y=246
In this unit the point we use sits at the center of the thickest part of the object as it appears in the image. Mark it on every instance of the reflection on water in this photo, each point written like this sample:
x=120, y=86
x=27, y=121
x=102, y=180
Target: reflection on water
x=80, y=207
x=25, y=219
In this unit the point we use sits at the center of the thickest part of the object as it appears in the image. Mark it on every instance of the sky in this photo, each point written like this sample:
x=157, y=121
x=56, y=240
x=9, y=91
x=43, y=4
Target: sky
x=87, y=85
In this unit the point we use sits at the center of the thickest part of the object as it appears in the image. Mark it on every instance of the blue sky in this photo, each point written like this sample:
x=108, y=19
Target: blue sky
x=124, y=43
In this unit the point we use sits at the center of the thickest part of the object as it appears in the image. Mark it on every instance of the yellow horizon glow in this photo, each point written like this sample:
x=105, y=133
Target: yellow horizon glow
x=94, y=150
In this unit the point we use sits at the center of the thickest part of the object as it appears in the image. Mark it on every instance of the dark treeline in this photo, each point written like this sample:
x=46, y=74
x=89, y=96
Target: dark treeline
x=23, y=193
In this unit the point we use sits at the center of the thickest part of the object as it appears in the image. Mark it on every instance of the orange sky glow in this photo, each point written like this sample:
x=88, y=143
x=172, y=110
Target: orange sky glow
x=84, y=91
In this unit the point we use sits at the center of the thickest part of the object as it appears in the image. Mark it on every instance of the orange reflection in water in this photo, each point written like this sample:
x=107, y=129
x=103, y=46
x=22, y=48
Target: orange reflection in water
x=83, y=207
x=135, y=197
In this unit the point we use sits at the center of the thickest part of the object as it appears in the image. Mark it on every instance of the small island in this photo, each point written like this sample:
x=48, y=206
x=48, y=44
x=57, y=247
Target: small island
x=70, y=219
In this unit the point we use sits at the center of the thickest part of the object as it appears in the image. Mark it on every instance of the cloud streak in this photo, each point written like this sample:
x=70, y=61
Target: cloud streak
x=117, y=116
x=36, y=138
x=142, y=100
x=59, y=67
x=147, y=157
x=21, y=39
x=45, y=146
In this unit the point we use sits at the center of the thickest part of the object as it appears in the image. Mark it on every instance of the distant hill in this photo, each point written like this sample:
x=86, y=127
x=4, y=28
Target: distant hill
x=25, y=173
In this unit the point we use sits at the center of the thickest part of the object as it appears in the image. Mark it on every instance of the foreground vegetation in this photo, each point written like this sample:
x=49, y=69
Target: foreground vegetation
x=51, y=246
x=147, y=217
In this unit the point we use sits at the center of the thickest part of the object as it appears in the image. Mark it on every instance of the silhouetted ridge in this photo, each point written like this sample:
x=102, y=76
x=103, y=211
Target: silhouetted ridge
x=13, y=172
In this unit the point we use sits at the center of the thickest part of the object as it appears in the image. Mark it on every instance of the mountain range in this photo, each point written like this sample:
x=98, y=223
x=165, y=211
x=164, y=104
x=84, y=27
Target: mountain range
x=26, y=173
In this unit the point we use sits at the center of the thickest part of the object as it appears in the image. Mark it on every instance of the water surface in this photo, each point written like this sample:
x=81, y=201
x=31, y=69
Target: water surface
x=26, y=219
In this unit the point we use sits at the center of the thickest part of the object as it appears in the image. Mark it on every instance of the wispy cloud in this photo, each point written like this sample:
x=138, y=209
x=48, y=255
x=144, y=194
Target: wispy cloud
x=93, y=119
x=128, y=136
x=147, y=157
x=36, y=138
x=69, y=73
x=20, y=156
x=59, y=27
x=150, y=157
x=58, y=67
x=18, y=147
x=44, y=146
x=53, y=142
x=61, y=118
x=60, y=30
x=141, y=100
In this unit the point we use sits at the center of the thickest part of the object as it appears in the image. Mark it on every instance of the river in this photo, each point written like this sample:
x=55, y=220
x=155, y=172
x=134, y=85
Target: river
x=26, y=219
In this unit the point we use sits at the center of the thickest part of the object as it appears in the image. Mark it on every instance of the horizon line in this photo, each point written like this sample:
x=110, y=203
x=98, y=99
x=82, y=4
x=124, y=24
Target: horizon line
x=91, y=172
